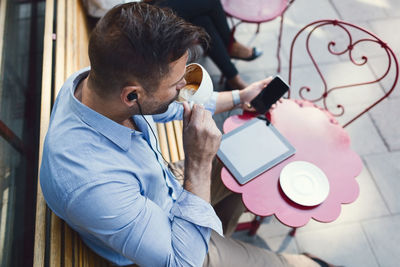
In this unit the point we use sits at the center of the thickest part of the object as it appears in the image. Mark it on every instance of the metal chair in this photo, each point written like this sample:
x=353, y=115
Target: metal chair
x=350, y=47
x=256, y=11
x=353, y=47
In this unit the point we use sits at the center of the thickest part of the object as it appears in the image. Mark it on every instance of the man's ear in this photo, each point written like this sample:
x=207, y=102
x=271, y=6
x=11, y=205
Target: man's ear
x=130, y=95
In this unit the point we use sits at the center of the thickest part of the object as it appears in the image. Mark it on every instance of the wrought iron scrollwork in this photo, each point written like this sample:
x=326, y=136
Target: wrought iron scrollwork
x=347, y=28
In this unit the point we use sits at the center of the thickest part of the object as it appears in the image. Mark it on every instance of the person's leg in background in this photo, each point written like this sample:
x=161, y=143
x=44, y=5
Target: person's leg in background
x=190, y=9
x=214, y=10
x=219, y=54
x=210, y=15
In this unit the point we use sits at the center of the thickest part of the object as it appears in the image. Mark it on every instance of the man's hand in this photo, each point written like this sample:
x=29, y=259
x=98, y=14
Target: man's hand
x=201, y=137
x=250, y=92
x=201, y=140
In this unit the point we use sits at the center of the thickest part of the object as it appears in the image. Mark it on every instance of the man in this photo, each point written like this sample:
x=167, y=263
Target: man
x=101, y=170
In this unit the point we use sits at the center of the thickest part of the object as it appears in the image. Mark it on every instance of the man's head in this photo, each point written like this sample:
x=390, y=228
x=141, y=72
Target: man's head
x=136, y=48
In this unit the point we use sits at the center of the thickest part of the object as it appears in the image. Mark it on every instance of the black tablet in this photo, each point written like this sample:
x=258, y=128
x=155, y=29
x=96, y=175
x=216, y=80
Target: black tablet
x=253, y=148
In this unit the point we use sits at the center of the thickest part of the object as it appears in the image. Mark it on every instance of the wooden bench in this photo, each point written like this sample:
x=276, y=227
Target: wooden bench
x=66, y=38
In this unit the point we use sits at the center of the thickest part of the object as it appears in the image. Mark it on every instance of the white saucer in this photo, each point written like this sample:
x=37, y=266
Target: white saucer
x=304, y=183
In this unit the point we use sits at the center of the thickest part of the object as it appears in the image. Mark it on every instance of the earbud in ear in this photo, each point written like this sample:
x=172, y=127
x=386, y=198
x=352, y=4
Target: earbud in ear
x=132, y=96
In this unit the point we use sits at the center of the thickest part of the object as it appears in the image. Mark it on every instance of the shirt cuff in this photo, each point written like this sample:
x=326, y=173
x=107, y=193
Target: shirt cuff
x=212, y=103
x=197, y=211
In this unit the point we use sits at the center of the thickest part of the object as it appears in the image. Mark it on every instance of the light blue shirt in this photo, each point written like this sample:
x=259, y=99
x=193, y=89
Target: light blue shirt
x=109, y=183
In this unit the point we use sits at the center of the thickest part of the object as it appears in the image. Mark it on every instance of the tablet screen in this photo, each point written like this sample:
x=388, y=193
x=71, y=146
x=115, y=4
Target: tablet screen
x=253, y=148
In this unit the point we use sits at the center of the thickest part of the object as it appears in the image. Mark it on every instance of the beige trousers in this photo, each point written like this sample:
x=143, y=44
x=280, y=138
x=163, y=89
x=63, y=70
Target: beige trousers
x=228, y=252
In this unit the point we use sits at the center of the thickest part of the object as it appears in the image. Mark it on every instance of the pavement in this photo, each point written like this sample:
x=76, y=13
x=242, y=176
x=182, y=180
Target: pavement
x=367, y=231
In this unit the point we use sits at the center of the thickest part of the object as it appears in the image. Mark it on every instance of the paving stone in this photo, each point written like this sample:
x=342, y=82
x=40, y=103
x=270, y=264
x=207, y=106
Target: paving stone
x=384, y=236
x=385, y=28
x=385, y=116
x=268, y=44
x=385, y=170
x=392, y=8
x=344, y=245
x=365, y=142
x=303, y=12
x=379, y=66
x=359, y=10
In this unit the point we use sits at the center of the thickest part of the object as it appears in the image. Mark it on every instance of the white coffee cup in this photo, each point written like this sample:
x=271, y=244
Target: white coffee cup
x=198, y=88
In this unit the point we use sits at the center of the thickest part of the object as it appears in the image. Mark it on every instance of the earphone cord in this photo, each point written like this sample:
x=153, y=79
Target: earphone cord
x=155, y=137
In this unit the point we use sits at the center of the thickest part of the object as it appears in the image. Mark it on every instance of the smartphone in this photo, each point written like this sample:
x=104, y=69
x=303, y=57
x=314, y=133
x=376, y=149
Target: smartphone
x=269, y=95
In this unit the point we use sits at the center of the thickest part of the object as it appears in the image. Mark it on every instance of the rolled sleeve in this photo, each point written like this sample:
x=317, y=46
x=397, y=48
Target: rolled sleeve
x=195, y=210
x=175, y=110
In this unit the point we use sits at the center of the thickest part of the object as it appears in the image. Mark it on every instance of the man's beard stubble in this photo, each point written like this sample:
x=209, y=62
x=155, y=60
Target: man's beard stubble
x=164, y=107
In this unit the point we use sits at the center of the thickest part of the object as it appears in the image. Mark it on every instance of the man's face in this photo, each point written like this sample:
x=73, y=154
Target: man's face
x=157, y=102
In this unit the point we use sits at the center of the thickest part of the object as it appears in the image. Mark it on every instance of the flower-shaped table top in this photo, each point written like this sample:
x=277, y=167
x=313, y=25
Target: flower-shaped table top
x=318, y=139
x=254, y=11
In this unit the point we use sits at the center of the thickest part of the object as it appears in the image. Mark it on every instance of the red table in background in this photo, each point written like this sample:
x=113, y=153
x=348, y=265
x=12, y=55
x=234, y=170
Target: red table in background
x=318, y=139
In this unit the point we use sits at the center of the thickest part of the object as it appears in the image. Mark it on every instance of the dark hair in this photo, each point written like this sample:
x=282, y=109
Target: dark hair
x=137, y=42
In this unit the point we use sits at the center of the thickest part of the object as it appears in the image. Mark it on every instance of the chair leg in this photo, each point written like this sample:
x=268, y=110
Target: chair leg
x=252, y=226
x=258, y=28
x=243, y=226
x=279, y=45
x=293, y=231
x=255, y=224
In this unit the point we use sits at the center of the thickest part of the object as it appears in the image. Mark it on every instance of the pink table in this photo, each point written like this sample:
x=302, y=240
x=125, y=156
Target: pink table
x=257, y=11
x=318, y=139
x=254, y=11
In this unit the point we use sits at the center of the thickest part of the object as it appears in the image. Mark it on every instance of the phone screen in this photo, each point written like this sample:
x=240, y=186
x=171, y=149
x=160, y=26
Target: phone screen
x=269, y=95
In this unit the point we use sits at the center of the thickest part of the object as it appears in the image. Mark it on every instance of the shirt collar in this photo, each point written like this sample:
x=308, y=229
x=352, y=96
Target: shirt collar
x=115, y=132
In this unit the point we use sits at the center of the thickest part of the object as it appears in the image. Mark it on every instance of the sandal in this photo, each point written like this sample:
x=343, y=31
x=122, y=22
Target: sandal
x=255, y=54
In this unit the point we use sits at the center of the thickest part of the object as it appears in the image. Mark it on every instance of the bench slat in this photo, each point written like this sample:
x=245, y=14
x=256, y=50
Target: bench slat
x=3, y=8
x=59, y=76
x=68, y=245
x=179, y=139
x=56, y=225
x=173, y=150
x=40, y=220
x=162, y=138
x=82, y=37
x=55, y=240
x=76, y=250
